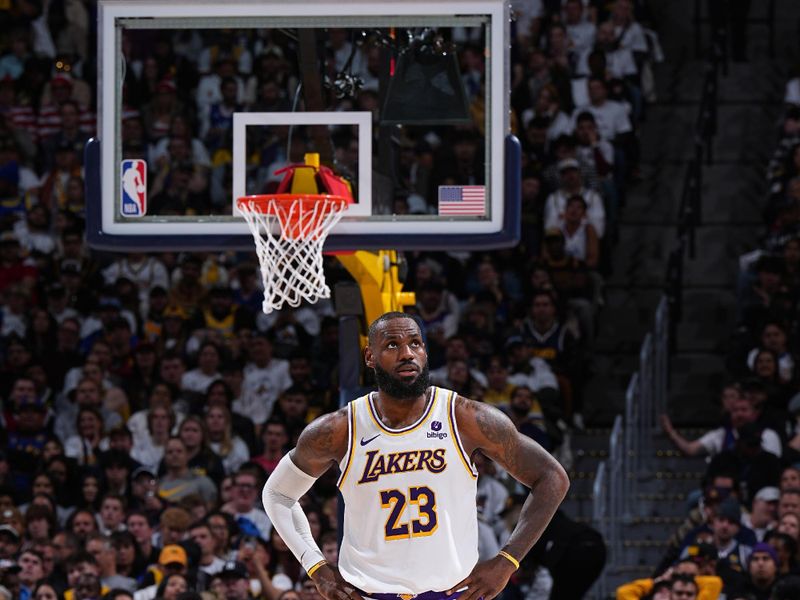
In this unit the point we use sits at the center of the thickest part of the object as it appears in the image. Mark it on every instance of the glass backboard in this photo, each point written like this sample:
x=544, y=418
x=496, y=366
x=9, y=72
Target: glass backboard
x=201, y=103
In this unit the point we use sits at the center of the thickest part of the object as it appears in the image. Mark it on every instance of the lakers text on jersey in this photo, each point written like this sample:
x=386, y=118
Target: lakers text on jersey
x=410, y=518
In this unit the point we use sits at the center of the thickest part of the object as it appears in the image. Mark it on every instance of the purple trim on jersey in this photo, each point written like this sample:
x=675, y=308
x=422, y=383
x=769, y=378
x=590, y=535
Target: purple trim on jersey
x=422, y=596
x=454, y=427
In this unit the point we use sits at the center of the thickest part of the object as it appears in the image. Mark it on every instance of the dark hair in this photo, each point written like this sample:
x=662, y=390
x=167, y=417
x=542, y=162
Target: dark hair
x=201, y=523
x=89, y=409
x=577, y=198
x=163, y=585
x=225, y=388
x=73, y=516
x=543, y=292
x=585, y=116
x=172, y=355
x=122, y=538
x=684, y=578
x=788, y=541
x=45, y=582
x=384, y=318
x=117, y=593
x=233, y=528
x=596, y=79
x=36, y=553
x=274, y=420
x=112, y=496
x=787, y=588
x=80, y=557
x=37, y=511
x=215, y=346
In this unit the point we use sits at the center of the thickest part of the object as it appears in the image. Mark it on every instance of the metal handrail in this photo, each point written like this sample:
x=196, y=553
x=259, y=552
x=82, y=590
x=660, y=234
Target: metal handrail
x=600, y=521
x=632, y=452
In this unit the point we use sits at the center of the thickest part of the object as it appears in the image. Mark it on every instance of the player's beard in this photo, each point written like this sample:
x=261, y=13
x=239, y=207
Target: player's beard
x=396, y=388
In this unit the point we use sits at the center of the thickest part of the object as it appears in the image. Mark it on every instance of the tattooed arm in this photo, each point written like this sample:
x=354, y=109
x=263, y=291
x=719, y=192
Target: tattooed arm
x=485, y=428
x=321, y=444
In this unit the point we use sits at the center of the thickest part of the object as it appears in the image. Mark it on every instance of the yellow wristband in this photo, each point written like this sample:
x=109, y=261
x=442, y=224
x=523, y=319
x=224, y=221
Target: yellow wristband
x=314, y=568
x=506, y=555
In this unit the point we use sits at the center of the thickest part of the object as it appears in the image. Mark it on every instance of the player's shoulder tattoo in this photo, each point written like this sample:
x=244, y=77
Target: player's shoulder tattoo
x=326, y=436
x=494, y=431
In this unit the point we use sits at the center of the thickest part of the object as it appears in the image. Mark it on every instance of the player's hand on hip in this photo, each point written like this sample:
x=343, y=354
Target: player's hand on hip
x=486, y=581
x=331, y=586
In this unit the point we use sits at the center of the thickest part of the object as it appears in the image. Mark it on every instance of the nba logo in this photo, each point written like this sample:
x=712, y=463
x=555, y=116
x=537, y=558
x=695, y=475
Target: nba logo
x=134, y=188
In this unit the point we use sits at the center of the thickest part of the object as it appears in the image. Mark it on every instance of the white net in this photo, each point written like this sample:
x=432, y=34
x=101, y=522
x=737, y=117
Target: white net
x=289, y=232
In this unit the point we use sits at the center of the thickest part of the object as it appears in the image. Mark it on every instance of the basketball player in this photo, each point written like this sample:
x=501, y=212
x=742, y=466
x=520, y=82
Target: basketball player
x=409, y=484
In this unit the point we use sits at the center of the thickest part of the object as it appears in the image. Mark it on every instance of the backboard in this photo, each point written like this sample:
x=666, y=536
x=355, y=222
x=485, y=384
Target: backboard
x=202, y=102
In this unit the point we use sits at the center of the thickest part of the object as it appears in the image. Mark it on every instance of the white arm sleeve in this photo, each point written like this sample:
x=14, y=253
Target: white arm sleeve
x=283, y=489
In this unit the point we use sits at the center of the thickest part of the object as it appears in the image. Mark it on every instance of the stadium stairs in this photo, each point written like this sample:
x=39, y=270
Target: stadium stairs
x=733, y=193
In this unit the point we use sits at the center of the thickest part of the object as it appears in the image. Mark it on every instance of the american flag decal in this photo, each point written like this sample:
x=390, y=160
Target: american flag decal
x=462, y=200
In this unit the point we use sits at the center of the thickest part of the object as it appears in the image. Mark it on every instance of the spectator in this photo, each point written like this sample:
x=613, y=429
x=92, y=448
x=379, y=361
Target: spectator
x=45, y=591
x=683, y=587
x=90, y=441
x=146, y=272
x=218, y=119
x=439, y=311
x=787, y=588
x=172, y=586
x=571, y=185
x=581, y=31
x=83, y=565
x=456, y=350
x=179, y=481
x=732, y=554
x=548, y=107
x=223, y=442
x=87, y=394
x=706, y=587
x=764, y=513
x=723, y=438
x=142, y=533
x=595, y=156
x=763, y=571
x=265, y=378
x=210, y=563
x=581, y=240
x=773, y=338
x=236, y=581
x=172, y=560
x=611, y=117
x=527, y=415
x=223, y=527
x=202, y=459
x=130, y=562
x=208, y=361
x=105, y=554
x=553, y=342
x=31, y=571
x=786, y=548
x=149, y=445
x=245, y=502
x=274, y=439
x=789, y=524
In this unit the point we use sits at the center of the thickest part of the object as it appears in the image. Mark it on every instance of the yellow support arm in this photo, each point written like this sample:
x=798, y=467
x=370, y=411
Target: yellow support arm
x=377, y=277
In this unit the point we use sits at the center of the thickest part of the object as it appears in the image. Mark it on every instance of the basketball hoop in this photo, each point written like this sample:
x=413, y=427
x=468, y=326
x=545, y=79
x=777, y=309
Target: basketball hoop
x=289, y=231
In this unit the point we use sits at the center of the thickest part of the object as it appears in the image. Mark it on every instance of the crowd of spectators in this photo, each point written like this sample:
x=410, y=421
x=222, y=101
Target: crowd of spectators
x=145, y=397
x=741, y=536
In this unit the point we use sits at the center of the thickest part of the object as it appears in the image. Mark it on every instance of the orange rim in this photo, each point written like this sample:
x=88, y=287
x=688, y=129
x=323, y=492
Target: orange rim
x=298, y=223
x=262, y=202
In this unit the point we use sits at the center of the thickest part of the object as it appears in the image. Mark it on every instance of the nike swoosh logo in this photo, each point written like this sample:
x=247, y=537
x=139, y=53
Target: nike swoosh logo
x=365, y=442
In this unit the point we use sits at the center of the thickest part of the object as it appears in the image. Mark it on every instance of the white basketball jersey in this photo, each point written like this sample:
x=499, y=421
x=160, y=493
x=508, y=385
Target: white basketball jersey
x=410, y=517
